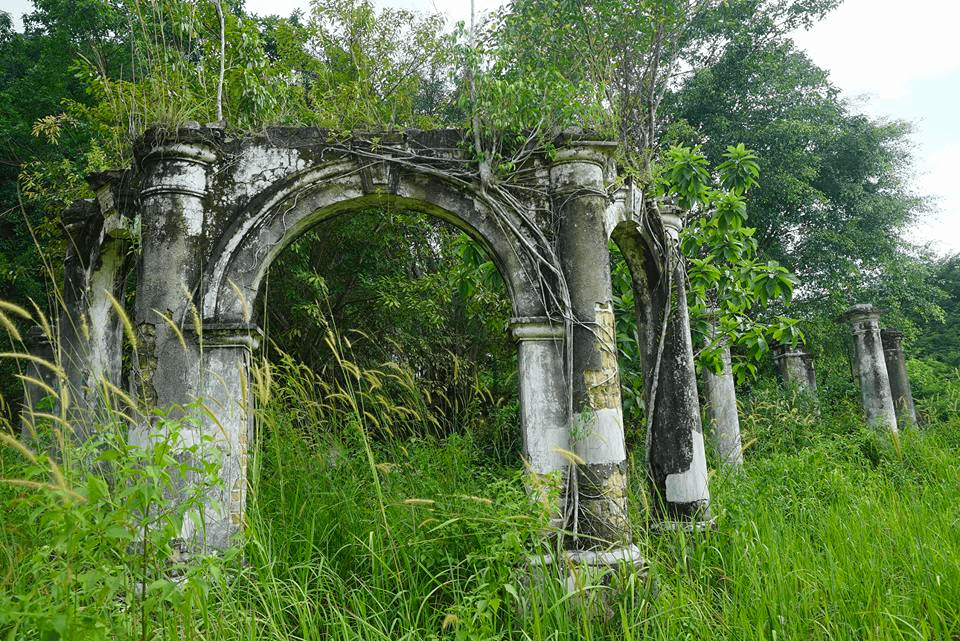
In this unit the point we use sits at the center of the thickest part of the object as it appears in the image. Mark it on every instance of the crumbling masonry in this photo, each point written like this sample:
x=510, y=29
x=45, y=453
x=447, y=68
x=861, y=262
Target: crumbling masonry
x=206, y=213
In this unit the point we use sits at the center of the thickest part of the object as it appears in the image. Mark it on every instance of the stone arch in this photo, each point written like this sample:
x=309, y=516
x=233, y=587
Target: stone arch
x=257, y=231
x=216, y=211
x=294, y=204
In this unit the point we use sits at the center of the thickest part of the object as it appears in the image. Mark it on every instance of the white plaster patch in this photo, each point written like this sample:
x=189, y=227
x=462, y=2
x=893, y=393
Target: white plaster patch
x=262, y=166
x=544, y=449
x=598, y=436
x=690, y=486
x=193, y=217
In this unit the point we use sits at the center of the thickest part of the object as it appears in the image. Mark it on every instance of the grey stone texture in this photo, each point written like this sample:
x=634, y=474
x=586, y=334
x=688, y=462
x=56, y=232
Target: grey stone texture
x=676, y=458
x=209, y=212
x=871, y=366
x=896, y=362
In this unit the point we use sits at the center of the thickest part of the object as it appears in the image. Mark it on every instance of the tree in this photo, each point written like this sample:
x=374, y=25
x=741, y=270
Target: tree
x=938, y=337
x=401, y=288
x=835, y=197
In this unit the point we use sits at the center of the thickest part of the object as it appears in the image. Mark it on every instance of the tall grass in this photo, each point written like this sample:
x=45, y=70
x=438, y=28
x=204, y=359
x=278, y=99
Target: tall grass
x=364, y=524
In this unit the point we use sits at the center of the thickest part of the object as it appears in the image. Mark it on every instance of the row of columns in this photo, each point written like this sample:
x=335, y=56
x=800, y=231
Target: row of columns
x=881, y=368
x=879, y=363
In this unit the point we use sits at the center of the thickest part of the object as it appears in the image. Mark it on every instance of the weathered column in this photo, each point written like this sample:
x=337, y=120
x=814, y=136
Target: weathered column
x=41, y=387
x=170, y=371
x=721, y=402
x=892, y=341
x=868, y=353
x=172, y=194
x=795, y=367
x=676, y=459
x=90, y=331
x=596, y=423
x=226, y=427
x=544, y=410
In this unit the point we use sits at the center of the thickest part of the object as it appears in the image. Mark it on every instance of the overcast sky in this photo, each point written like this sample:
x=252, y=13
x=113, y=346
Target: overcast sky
x=894, y=58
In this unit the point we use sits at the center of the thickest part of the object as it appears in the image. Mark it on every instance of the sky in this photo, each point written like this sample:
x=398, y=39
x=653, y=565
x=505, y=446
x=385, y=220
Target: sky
x=891, y=58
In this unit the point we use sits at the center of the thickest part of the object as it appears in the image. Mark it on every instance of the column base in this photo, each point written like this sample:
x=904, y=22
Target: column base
x=581, y=572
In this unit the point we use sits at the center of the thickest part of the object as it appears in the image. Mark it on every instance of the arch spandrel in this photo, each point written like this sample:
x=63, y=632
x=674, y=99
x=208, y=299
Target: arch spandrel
x=282, y=211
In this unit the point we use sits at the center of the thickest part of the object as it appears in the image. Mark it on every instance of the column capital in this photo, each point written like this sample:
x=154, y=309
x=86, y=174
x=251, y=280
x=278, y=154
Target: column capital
x=176, y=162
x=191, y=143
x=581, y=161
x=671, y=217
x=861, y=312
x=785, y=350
x=891, y=338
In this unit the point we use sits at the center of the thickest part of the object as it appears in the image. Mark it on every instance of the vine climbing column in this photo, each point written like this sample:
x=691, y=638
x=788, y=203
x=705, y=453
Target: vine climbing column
x=676, y=460
x=596, y=423
x=170, y=371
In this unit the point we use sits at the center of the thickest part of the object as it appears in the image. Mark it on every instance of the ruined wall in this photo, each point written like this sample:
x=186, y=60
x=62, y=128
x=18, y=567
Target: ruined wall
x=214, y=210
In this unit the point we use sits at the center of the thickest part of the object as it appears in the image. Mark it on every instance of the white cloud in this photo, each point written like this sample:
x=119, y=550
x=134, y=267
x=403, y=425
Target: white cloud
x=16, y=9
x=877, y=46
x=938, y=179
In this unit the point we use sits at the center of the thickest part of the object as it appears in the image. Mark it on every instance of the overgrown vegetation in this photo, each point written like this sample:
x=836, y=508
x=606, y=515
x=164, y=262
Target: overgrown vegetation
x=387, y=497
x=362, y=524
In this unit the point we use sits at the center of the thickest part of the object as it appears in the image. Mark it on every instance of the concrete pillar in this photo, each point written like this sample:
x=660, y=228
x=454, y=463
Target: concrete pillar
x=871, y=368
x=544, y=410
x=795, y=367
x=90, y=331
x=721, y=402
x=41, y=387
x=892, y=341
x=172, y=366
x=172, y=194
x=676, y=459
x=226, y=423
x=596, y=423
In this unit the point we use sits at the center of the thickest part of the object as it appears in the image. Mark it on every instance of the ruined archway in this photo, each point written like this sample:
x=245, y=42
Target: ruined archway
x=215, y=210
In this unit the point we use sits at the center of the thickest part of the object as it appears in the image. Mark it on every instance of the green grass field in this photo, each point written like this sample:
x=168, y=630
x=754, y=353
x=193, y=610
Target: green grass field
x=829, y=531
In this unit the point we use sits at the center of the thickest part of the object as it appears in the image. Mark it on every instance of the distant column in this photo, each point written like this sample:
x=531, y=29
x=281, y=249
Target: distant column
x=892, y=341
x=721, y=401
x=795, y=367
x=871, y=368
